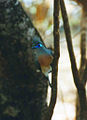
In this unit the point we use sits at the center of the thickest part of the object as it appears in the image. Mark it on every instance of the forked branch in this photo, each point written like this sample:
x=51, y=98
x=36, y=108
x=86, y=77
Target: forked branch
x=80, y=87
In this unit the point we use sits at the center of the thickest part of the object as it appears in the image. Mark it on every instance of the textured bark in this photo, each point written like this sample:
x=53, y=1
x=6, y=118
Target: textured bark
x=22, y=90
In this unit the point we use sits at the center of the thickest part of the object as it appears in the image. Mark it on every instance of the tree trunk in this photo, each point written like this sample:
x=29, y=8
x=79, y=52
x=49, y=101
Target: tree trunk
x=22, y=92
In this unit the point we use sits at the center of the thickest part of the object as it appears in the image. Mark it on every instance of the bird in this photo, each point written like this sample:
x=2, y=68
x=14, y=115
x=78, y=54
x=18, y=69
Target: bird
x=43, y=56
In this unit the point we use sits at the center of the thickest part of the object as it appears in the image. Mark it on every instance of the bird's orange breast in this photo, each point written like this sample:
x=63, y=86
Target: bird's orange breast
x=45, y=60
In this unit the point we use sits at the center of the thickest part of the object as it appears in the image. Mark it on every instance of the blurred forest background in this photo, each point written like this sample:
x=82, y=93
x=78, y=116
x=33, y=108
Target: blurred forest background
x=41, y=13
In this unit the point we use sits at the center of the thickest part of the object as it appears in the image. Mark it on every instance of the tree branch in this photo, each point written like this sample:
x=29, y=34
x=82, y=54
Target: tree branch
x=80, y=87
x=56, y=58
x=84, y=77
x=69, y=44
x=83, y=45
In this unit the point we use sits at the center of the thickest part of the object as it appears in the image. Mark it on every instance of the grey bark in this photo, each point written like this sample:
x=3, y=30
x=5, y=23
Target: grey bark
x=22, y=90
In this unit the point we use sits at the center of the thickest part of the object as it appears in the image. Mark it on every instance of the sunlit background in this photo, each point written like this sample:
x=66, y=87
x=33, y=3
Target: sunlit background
x=41, y=13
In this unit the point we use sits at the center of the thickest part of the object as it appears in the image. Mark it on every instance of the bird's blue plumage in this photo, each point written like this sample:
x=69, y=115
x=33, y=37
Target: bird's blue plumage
x=38, y=46
x=39, y=50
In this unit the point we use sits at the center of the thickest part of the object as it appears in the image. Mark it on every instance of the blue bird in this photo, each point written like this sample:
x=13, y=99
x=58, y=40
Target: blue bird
x=43, y=56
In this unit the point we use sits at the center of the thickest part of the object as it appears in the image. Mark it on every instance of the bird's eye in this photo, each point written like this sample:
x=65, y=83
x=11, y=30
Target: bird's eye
x=38, y=46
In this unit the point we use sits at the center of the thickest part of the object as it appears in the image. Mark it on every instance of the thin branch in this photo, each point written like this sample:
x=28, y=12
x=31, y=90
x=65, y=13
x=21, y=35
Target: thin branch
x=84, y=76
x=69, y=44
x=83, y=45
x=80, y=87
x=56, y=58
x=83, y=49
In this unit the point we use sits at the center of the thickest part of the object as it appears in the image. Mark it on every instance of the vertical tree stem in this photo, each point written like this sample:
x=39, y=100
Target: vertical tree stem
x=83, y=44
x=80, y=87
x=56, y=58
x=69, y=44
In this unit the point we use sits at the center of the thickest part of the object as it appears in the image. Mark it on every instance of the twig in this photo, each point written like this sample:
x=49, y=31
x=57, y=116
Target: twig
x=80, y=87
x=69, y=44
x=84, y=77
x=55, y=61
x=83, y=46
